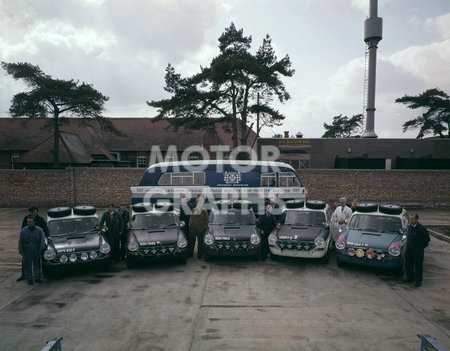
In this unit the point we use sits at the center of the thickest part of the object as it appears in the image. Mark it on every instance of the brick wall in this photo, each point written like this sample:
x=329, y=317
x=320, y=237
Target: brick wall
x=100, y=186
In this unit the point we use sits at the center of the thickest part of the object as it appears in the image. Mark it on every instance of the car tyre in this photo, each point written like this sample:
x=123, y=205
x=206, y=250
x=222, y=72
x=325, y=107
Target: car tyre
x=315, y=204
x=325, y=259
x=130, y=262
x=47, y=272
x=207, y=257
x=57, y=212
x=367, y=207
x=84, y=210
x=339, y=262
x=391, y=209
x=183, y=259
x=273, y=256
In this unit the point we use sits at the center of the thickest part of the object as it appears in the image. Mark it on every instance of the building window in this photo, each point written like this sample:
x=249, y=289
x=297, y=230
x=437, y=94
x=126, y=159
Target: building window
x=141, y=159
x=305, y=164
x=15, y=154
x=194, y=156
x=268, y=179
x=116, y=155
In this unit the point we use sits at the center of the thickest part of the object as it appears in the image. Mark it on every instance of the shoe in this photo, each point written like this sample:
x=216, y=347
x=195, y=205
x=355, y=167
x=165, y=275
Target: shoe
x=30, y=282
x=407, y=280
x=38, y=280
x=20, y=278
x=417, y=285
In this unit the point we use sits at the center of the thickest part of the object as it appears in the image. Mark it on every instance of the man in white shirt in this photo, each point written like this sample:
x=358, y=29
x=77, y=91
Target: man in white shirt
x=342, y=214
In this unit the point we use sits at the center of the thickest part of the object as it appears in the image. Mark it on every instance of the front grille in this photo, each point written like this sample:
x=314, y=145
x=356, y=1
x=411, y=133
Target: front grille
x=296, y=245
x=365, y=252
x=98, y=256
x=233, y=245
x=158, y=250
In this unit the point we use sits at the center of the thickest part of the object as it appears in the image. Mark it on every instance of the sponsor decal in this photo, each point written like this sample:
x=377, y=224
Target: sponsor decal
x=351, y=251
x=360, y=253
x=65, y=250
x=222, y=238
x=151, y=243
x=286, y=237
x=357, y=244
x=370, y=254
x=232, y=177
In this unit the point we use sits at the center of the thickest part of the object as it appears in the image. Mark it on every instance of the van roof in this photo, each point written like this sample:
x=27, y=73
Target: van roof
x=222, y=162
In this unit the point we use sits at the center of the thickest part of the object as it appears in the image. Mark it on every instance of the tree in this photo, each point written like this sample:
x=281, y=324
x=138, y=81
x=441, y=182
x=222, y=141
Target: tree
x=343, y=127
x=436, y=116
x=55, y=98
x=235, y=87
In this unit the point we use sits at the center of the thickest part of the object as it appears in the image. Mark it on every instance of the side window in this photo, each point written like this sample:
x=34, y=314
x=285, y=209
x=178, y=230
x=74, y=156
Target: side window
x=166, y=179
x=182, y=178
x=268, y=179
x=288, y=179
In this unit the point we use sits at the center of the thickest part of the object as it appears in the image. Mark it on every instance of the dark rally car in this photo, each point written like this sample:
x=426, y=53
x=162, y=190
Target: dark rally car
x=155, y=233
x=232, y=230
x=74, y=239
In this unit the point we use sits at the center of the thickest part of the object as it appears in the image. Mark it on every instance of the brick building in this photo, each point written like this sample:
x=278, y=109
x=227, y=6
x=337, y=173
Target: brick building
x=28, y=143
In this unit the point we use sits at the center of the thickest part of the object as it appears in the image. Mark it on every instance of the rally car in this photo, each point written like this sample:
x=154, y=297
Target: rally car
x=155, y=233
x=375, y=236
x=74, y=239
x=232, y=230
x=306, y=231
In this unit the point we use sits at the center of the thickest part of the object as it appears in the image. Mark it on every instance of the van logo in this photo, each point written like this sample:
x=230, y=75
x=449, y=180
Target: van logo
x=232, y=177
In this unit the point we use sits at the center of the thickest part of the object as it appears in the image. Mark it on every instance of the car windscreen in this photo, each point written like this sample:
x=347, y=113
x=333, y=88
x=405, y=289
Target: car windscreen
x=72, y=225
x=303, y=217
x=155, y=220
x=232, y=216
x=375, y=223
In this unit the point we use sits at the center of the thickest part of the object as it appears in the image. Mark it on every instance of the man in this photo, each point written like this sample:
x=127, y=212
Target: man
x=416, y=242
x=40, y=222
x=124, y=237
x=342, y=214
x=266, y=223
x=31, y=246
x=185, y=214
x=198, y=222
x=114, y=223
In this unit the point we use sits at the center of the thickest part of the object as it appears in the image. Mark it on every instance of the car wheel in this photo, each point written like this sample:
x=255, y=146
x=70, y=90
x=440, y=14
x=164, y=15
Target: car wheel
x=390, y=209
x=57, y=212
x=325, y=259
x=47, y=272
x=273, y=257
x=84, y=210
x=183, y=259
x=366, y=207
x=130, y=262
x=207, y=257
x=398, y=271
x=339, y=262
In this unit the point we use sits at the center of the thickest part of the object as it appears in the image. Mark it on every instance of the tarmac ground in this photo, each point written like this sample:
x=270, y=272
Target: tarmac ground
x=225, y=304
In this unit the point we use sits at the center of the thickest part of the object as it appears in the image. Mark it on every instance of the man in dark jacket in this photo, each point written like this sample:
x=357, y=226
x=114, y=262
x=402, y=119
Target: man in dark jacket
x=417, y=240
x=31, y=246
x=114, y=223
x=40, y=222
x=266, y=223
x=124, y=237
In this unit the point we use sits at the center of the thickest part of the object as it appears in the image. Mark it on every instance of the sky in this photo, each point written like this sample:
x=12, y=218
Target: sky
x=122, y=48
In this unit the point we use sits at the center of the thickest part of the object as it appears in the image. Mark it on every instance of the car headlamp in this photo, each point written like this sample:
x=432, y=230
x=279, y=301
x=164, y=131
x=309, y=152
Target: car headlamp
x=49, y=254
x=272, y=239
x=395, y=249
x=63, y=259
x=84, y=256
x=182, y=243
x=73, y=258
x=209, y=239
x=340, y=243
x=320, y=242
x=255, y=239
x=133, y=246
x=93, y=255
x=105, y=248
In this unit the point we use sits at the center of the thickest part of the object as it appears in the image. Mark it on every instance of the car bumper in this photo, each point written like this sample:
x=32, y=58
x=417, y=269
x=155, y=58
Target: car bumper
x=314, y=253
x=387, y=262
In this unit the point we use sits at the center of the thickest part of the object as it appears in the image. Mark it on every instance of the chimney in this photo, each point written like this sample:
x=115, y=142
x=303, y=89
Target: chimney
x=373, y=33
x=286, y=134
